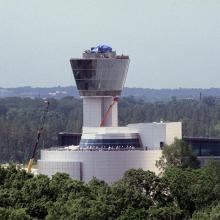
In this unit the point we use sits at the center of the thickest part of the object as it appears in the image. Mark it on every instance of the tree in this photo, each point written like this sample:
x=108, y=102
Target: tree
x=19, y=214
x=124, y=196
x=37, y=190
x=14, y=214
x=179, y=183
x=177, y=194
x=210, y=212
x=192, y=189
x=213, y=167
x=178, y=154
x=166, y=212
x=154, y=187
x=133, y=214
x=64, y=188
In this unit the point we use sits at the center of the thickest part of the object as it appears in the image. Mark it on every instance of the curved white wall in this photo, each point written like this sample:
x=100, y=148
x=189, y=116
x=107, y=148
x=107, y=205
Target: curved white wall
x=105, y=165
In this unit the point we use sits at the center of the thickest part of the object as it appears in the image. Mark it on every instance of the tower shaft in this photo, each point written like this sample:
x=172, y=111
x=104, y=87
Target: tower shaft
x=95, y=109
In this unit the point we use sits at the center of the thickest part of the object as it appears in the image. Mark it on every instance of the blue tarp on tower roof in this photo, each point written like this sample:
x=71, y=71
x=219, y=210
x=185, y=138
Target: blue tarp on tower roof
x=101, y=49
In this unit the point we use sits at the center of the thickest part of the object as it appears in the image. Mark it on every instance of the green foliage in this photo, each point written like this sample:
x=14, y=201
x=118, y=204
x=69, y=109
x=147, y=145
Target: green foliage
x=19, y=121
x=164, y=213
x=154, y=187
x=213, y=167
x=20, y=117
x=14, y=214
x=177, y=194
x=133, y=214
x=211, y=212
x=180, y=192
x=19, y=214
x=178, y=154
x=193, y=189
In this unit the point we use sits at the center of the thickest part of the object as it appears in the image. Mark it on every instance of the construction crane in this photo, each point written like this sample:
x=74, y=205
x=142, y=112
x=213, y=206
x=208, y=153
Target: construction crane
x=39, y=132
x=115, y=99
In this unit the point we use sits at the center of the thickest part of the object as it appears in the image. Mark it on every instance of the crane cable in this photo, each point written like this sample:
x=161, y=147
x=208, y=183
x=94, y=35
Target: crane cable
x=39, y=132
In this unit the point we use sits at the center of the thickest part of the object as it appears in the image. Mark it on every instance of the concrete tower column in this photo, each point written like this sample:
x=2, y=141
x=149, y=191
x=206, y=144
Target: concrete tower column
x=94, y=109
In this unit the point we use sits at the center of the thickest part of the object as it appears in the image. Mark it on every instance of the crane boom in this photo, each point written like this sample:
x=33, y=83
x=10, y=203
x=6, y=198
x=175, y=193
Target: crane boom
x=39, y=132
x=106, y=114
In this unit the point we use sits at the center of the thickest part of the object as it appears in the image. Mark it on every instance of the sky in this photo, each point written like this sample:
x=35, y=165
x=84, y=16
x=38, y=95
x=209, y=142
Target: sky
x=171, y=43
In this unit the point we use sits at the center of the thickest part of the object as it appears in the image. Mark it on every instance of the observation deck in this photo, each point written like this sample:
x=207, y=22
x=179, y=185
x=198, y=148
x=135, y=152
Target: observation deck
x=100, y=73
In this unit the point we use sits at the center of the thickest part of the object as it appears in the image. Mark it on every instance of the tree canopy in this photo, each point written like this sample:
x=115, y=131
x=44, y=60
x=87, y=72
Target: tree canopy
x=183, y=191
x=178, y=154
x=177, y=194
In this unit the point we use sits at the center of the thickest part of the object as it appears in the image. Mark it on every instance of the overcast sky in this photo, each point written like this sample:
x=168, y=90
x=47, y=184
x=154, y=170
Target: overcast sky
x=171, y=43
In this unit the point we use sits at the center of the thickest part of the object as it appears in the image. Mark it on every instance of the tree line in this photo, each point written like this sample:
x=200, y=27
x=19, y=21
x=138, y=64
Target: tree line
x=182, y=191
x=20, y=118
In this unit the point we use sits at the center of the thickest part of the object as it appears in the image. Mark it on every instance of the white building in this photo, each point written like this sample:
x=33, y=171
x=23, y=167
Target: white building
x=110, y=164
x=106, y=151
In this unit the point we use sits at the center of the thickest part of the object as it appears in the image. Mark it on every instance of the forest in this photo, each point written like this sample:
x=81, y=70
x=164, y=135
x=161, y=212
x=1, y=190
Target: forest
x=145, y=93
x=20, y=118
x=182, y=191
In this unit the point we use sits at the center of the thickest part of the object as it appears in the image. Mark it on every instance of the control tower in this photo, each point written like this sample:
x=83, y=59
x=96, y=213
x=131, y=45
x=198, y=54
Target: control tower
x=100, y=76
x=106, y=150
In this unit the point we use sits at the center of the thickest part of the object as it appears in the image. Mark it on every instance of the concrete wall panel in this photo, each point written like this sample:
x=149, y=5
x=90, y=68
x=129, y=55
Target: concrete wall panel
x=105, y=165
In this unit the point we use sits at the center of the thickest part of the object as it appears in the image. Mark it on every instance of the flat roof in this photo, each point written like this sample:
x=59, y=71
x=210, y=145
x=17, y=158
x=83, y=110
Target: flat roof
x=202, y=138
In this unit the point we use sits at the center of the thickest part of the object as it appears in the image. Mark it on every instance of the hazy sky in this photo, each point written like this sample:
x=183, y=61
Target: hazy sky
x=171, y=43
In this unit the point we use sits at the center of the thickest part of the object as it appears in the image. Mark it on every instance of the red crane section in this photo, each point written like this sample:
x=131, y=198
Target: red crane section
x=39, y=132
x=115, y=99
